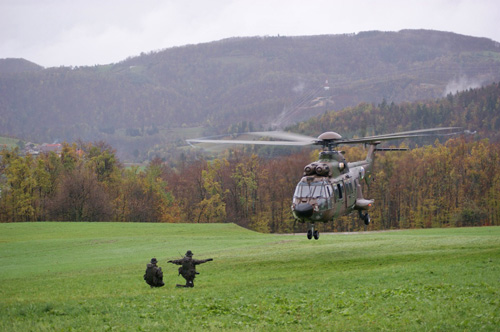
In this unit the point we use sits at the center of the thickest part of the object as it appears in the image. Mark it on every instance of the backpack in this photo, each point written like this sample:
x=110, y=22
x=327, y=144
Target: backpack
x=187, y=267
x=150, y=274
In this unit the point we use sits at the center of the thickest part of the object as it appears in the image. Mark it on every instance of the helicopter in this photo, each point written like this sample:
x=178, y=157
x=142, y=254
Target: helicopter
x=331, y=186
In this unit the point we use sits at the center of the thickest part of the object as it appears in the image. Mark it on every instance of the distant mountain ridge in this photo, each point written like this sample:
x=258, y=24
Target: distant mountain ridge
x=237, y=84
x=12, y=65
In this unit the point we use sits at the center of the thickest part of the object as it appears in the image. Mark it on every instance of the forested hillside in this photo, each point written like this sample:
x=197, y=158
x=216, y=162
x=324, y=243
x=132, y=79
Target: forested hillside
x=144, y=106
x=454, y=183
x=474, y=110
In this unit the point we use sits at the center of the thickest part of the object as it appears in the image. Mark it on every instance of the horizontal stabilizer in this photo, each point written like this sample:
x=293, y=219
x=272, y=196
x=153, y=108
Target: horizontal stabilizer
x=391, y=149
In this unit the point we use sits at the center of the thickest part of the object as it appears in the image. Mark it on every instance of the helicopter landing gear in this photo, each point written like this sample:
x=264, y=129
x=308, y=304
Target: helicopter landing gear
x=365, y=218
x=312, y=232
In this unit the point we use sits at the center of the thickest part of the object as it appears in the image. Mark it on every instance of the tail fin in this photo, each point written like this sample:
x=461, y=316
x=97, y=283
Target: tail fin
x=369, y=160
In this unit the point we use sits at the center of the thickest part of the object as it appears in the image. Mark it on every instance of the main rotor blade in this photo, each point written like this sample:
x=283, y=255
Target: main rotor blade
x=408, y=134
x=289, y=139
x=248, y=142
x=283, y=135
x=412, y=132
x=292, y=139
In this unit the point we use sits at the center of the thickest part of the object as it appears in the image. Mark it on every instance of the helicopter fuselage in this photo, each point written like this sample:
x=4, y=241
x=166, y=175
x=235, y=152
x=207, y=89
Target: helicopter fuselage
x=331, y=187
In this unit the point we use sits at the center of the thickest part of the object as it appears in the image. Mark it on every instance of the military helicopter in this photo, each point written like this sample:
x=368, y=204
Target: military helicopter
x=331, y=187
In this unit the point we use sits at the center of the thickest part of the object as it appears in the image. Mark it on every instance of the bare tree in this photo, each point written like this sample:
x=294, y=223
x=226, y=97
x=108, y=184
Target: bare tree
x=80, y=197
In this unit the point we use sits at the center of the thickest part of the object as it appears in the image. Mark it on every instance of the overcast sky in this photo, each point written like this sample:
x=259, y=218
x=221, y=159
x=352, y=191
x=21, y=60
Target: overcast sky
x=80, y=33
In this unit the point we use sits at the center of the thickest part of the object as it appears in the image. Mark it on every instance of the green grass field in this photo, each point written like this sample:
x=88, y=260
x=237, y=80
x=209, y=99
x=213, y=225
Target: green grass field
x=88, y=277
x=8, y=142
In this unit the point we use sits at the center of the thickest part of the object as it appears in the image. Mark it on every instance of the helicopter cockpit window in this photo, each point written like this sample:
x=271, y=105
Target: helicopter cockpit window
x=329, y=191
x=338, y=190
x=314, y=190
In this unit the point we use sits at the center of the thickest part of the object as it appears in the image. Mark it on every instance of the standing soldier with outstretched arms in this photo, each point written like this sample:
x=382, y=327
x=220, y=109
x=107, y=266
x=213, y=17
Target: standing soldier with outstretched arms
x=188, y=267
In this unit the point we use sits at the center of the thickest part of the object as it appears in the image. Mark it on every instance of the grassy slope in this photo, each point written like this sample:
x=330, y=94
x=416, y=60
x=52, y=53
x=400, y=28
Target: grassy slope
x=8, y=142
x=62, y=276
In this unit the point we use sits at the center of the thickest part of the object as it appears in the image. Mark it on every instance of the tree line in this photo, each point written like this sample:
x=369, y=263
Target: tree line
x=86, y=182
x=451, y=184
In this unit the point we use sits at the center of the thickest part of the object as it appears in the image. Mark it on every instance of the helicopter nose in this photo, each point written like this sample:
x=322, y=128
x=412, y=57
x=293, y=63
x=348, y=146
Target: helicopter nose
x=304, y=210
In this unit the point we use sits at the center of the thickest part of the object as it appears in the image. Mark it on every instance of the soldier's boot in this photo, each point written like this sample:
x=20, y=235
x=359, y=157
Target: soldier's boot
x=190, y=284
x=180, y=285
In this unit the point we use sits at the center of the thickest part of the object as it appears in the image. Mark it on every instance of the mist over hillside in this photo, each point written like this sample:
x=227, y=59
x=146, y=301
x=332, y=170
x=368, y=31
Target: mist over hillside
x=147, y=104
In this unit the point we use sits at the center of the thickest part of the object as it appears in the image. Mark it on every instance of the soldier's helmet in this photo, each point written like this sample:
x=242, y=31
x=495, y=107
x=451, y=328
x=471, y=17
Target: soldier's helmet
x=189, y=253
x=154, y=261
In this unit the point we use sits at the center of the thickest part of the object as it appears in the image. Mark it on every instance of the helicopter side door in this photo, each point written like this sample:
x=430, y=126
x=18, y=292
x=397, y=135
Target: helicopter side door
x=350, y=194
x=330, y=196
x=340, y=201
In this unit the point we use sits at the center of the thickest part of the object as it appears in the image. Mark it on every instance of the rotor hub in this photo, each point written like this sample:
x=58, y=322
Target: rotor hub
x=329, y=136
x=328, y=140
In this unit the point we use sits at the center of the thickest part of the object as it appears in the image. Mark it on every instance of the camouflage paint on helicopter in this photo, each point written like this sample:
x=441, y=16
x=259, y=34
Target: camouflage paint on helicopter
x=331, y=187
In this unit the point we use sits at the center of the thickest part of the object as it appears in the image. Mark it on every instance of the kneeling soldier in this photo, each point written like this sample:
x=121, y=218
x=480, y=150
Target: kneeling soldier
x=153, y=275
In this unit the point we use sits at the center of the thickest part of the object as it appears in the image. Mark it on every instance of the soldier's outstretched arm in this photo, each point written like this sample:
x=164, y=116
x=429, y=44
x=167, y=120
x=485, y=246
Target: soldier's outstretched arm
x=176, y=261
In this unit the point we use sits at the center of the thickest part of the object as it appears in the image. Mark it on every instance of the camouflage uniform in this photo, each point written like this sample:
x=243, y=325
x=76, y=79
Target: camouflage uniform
x=188, y=267
x=154, y=274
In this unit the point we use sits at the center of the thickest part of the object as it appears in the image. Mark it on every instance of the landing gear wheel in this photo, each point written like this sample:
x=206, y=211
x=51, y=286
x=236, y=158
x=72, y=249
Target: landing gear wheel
x=316, y=235
x=309, y=234
x=367, y=219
